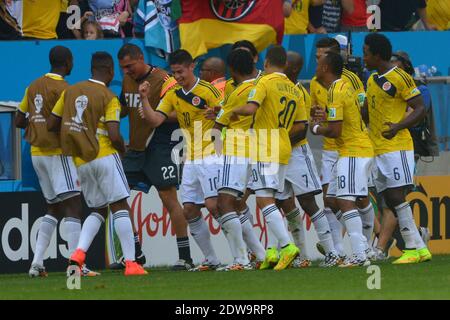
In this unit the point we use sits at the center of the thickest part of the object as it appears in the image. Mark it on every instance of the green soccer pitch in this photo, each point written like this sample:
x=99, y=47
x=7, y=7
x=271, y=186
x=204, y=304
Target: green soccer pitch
x=429, y=280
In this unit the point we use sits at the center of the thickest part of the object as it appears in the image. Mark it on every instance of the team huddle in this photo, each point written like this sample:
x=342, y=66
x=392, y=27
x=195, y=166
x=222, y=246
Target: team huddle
x=246, y=136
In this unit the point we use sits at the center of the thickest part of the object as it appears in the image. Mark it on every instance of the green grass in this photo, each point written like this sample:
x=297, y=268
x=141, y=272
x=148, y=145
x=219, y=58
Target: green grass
x=421, y=281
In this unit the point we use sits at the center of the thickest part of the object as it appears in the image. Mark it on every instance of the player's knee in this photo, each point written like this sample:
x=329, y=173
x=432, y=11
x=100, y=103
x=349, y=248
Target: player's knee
x=308, y=203
x=225, y=204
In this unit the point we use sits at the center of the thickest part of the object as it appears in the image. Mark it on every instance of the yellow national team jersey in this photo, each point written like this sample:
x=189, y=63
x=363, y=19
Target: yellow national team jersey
x=438, y=13
x=230, y=85
x=319, y=96
x=297, y=23
x=23, y=107
x=343, y=106
x=237, y=139
x=279, y=103
x=307, y=103
x=387, y=97
x=112, y=113
x=190, y=108
x=41, y=17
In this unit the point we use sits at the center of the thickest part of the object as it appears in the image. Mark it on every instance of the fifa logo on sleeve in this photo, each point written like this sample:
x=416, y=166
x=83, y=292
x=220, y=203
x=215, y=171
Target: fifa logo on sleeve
x=374, y=280
x=80, y=105
x=73, y=278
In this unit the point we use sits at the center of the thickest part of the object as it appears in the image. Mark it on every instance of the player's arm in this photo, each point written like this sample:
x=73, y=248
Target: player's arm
x=255, y=99
x=124, y=110
x=112, y=121
x=298, y=132
x=334, y=118
x=20, y=120
x=154, y=118
x=54, y=120
x=409, y=121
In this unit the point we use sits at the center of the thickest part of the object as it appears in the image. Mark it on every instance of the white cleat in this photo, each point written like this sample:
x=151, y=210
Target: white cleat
x=37, y=270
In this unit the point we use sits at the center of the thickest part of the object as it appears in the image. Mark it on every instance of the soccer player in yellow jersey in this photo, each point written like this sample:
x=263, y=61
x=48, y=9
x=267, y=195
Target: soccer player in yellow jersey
x=329, y=154
x=302, y=180
x=88, y=115
x=389, y=91
x=202, y=166
x=351, y=173
x=274, y=104
x=236, y=170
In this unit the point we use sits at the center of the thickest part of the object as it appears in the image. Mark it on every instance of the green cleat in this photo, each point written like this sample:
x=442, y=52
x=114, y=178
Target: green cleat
x=408, y=256
x=270, y=260
x=287, y=255
x=424, y=254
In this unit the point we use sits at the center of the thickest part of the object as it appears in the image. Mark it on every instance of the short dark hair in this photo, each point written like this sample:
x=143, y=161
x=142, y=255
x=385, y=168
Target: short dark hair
x=335, y=62
x=329, y=43
x=101, y=61
x=245, y=44
x=379, y=45
x=277, y=56
x=59, y=56
x=180, y=56
x=131, y=50
x=241, y=61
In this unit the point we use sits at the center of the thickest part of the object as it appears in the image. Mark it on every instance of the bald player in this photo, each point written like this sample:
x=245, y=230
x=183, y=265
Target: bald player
x=213, y=71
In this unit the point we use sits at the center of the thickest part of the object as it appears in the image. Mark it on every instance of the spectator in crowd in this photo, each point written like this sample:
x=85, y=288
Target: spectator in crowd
x=40, y=18
x=298, y=21
x=9, y=26
x=399, y=15
x=213, y=71
x=332, y=10
x=91, y=30
x=355, y=20
x=315, y=20
x=113, y=16
x=438, y=12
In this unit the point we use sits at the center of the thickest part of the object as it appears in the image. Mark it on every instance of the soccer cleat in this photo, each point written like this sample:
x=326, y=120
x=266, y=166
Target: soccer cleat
x=370, y=253
x=354, y=261
x=182, y=265
x=141, y=259
x=331, y=260
x=320, y=248
x=132, y=268
x=270, y=260
x=408, y=256
x=205, y=266
x=301, y=263
x=424, y=254
x=256, y=264
x=287, y=255
x=425, y=234
x=77, y=257
x=379, y=255
x=85, y=272
x=37, y=271
x=236, y=267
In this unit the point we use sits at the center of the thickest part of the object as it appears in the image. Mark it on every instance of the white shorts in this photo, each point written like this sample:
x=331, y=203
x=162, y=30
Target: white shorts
x=103, y=181
x=235, y=174
x=200, y=180
x=395, y=169
x=57, y=176
x=301, y=174
x=350, y=178
x=267, y=178
x=329, y=159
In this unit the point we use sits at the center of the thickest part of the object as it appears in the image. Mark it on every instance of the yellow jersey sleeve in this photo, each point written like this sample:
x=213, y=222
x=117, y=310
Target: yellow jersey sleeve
x=258, y=93
x=409, y=90
x=58, y=109
x=112, y=111
x=223, y=117
x=301, y=114
x=335, y=106
x=166, y=106
x=23, y=106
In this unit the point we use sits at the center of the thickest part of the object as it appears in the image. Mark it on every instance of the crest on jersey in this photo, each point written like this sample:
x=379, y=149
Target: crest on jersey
x=196, y=101
x=387, y=86
x=38, y=103
x=81, y=104
x=231, y=10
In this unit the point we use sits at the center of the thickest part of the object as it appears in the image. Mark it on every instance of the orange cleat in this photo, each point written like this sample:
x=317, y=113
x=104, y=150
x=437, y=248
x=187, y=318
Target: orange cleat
x=78, y=257
x=133, y=268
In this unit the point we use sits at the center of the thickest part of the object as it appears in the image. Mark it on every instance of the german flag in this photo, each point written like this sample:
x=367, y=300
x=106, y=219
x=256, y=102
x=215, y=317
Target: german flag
x=207, y=24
